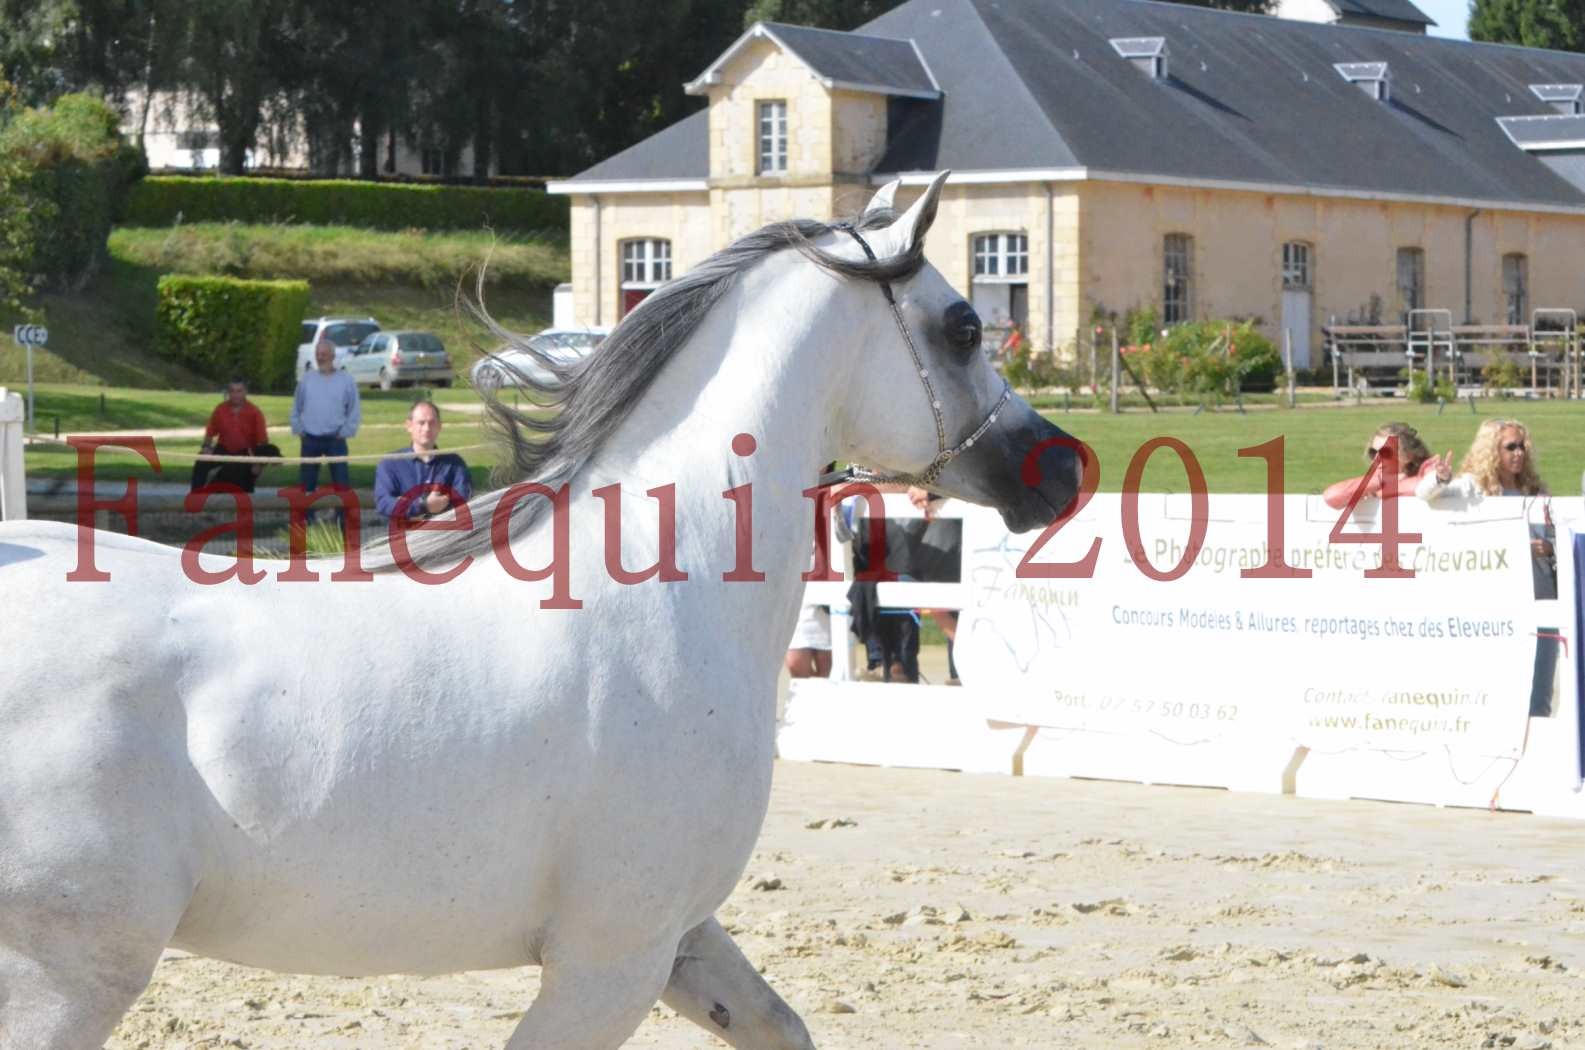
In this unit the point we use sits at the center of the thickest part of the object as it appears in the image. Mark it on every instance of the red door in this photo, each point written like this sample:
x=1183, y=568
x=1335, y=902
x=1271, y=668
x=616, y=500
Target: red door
x=631, y=297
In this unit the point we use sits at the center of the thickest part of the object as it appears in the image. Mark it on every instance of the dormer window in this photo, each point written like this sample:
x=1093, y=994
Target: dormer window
x=1565, y=98
x=1373, y=78
x=773, y=137
x=1147, y=53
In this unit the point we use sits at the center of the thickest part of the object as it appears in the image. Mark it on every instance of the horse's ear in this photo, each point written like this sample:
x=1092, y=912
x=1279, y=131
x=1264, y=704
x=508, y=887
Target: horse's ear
x=882, y=201
x=915, y=222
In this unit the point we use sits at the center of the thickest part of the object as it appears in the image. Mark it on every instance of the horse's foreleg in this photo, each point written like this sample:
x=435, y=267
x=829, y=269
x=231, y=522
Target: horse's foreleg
x=592, y=1004
x=715, y=986
x=96, y=871
x=64, y=1005
x=69, y=967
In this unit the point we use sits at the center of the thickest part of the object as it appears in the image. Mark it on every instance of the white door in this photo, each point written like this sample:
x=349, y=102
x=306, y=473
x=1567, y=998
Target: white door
x=1297, y=283
x=1296, y=319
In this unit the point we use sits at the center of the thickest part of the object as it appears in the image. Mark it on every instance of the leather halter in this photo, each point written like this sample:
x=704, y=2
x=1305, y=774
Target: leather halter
x=944, y=455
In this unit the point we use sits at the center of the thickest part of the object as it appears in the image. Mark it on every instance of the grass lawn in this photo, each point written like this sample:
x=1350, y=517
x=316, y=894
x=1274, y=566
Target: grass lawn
x=104, y=335
x=70, y=408
x=344, y=255
x=112, y=465
x=1322, y=444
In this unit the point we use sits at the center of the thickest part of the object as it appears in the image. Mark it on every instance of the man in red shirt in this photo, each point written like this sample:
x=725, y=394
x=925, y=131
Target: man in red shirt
x=236, y=428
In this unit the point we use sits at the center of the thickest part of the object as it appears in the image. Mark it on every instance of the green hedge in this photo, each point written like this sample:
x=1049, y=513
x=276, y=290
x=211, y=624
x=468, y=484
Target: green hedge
x=168, y=199
x=71, y=173
x=223, y=327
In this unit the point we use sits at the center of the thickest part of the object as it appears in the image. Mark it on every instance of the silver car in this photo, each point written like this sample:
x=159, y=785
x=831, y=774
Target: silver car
x=391, y=359
x=564, y=345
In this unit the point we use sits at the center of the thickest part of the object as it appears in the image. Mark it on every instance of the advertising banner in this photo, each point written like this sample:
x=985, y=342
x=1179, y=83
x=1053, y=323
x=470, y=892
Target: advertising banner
x=1251, y=615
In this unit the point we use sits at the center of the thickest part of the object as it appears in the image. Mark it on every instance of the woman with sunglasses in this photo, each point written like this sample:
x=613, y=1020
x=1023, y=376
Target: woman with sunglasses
x=1501, y=462
x=1412, y=458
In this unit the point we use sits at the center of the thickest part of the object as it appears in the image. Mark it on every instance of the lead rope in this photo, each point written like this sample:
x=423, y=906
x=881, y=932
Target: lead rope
x=944, y=455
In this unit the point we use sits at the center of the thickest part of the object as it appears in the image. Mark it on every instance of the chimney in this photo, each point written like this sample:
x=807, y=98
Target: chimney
x=1148, y=53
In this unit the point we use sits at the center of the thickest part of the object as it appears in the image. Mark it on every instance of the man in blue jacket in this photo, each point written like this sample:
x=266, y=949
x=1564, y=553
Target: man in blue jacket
x=425, y=485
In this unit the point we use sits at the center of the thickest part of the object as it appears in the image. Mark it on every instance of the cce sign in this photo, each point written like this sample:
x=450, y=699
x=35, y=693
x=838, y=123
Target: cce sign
x=28, y=336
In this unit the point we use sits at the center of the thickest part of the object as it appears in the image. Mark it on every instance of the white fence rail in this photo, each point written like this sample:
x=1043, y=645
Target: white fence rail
x=1328, y=686
x=13, y=483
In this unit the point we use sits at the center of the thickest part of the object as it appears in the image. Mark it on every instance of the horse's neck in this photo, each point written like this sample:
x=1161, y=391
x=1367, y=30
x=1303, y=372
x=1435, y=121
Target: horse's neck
x=732, y=380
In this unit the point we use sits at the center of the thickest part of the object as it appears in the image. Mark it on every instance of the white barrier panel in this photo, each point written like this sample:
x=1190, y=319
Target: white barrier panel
x=13, y=480
x=1544, y=778
x=868, y=723
x=1332, y=685
x=1331, y=660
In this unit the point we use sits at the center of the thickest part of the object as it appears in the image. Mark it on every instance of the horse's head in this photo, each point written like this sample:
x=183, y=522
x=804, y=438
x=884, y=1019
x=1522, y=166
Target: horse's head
x=927, y=404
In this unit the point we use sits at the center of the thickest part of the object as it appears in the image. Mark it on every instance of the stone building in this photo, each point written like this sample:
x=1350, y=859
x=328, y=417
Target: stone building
x=1110, y=154
x=1374, y=14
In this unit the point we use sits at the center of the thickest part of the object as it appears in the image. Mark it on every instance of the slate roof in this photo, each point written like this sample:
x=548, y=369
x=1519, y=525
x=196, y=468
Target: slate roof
x=681, y=151
x=1392, y=10
x=1250, y=99
x=852, y=58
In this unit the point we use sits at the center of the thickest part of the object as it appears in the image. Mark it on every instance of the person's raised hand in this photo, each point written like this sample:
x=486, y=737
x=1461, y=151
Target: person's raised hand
x=436, y=501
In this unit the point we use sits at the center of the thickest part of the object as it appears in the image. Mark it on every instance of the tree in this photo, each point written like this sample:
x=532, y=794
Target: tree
x=824, y=14
x=1558, y=25
x=70, y=175
x=108, y=47
x=16, y=229
x=237, y=55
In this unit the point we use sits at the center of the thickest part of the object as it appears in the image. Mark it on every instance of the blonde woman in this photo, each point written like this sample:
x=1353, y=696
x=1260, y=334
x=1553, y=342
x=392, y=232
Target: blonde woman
x=1501, y=462
x=1412, y=458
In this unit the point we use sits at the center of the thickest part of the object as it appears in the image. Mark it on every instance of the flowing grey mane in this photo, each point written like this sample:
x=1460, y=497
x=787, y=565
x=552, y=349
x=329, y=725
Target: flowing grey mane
x=572, y=417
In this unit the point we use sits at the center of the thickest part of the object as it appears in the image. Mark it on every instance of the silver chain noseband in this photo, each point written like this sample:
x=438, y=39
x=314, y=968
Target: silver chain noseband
x=944, y=455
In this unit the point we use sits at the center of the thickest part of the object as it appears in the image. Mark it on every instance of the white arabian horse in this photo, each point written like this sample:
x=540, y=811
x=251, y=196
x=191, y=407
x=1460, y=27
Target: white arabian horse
x=362, y=778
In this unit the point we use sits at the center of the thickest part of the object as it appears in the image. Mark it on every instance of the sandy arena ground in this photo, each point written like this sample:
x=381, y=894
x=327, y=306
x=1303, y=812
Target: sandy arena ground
x=961, y=911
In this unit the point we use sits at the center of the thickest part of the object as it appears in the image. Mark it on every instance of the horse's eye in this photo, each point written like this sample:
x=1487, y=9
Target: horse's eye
x=963, y=327
x=967, y=337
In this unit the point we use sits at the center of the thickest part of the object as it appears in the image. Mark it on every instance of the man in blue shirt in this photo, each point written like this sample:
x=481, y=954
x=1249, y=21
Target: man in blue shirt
x=429, y=484
x=325, y=413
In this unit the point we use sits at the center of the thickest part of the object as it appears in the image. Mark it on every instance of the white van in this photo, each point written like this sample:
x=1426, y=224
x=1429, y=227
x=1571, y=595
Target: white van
x=345, y=332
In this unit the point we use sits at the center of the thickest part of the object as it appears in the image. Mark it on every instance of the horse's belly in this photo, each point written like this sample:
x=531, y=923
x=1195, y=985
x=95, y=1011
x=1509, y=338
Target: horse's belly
x=467, y=865
x=352, y=934
x=323, y=898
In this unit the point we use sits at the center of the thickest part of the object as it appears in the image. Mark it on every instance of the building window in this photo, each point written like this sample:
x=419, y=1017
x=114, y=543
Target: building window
x=1296, y=267
x=773, y=138
x=1411, y=278
x=432, y=160
x=1177, y=299
x=1516, y=288
x=646, y=265
x=1001, y=255
x=1000, y=289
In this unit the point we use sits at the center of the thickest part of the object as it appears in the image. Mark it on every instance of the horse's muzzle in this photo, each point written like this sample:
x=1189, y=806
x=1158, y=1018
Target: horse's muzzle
x=1025, y=466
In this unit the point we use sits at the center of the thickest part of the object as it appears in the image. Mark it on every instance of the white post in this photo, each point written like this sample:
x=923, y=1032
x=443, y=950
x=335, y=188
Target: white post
x=32, y=416
x=1116, y=365
x=1287, y=356
x=13, y=481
